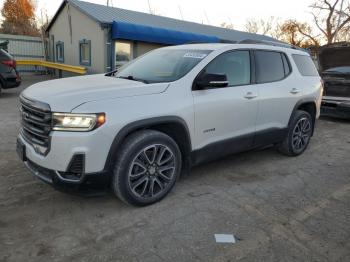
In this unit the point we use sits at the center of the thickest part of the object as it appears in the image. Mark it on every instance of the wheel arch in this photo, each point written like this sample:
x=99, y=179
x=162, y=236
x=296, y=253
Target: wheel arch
x=308, y=105
x=173, y=126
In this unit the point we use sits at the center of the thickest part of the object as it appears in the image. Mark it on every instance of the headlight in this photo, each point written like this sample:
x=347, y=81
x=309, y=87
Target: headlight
x=77, y=122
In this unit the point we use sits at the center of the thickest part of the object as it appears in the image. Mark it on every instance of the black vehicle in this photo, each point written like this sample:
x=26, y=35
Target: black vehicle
x=334, y=61
x=9, y=76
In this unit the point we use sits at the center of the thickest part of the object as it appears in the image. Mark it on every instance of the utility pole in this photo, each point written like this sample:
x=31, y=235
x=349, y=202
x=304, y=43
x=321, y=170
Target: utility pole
x=110, y=3
x=206, y=17
x=182, y=17
x=150, y=8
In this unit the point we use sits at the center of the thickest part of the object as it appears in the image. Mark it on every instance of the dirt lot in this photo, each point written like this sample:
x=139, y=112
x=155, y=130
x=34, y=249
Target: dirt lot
x=279, y=208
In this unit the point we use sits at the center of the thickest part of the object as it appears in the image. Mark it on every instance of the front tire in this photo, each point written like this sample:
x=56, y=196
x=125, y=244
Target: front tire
x=147, y=167
x=299, y=134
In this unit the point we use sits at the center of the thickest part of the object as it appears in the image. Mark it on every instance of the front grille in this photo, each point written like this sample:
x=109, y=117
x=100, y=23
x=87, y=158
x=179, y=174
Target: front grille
x=36, y=124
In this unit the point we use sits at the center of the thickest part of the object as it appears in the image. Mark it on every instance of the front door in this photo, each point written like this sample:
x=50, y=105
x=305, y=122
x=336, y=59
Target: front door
x=225, y=117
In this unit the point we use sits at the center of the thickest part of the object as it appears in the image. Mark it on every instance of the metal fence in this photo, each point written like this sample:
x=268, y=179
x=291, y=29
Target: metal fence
x=25, y=48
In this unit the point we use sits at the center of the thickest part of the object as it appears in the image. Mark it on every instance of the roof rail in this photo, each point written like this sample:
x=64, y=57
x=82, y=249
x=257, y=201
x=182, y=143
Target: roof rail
x=273, y=43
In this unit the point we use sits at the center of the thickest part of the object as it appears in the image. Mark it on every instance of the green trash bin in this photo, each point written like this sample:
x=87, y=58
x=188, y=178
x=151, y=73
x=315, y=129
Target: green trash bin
x=4, y=45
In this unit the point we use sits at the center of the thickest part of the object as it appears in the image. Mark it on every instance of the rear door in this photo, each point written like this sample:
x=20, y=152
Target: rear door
x=278, y=95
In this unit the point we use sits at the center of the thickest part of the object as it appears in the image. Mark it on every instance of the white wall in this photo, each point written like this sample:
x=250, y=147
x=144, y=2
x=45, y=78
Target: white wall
x=83, y=27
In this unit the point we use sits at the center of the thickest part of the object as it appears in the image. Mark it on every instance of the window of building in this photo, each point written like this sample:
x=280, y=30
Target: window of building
x=85, y=52
x=235, y=65
x=60, y=52
x=123, y=53
x=305, y=65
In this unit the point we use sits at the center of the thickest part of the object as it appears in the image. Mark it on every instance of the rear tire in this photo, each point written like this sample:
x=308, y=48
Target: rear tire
x=147, y=167
x=299, y=134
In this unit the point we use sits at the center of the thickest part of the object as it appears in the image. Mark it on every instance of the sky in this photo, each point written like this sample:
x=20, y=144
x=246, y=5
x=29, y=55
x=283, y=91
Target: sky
x=213, y=12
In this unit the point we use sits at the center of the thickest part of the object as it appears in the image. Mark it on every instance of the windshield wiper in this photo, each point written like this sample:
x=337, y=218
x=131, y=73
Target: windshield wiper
x=130, y=77
x=111, y=73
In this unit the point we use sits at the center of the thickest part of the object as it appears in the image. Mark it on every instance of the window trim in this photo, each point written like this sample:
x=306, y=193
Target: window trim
x=59, y=43
x=81, y=62
x=275, y=51
x=288, y=64
x=252, y=69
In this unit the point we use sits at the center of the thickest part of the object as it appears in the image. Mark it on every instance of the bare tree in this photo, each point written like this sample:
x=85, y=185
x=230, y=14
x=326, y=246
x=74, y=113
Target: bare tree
x=331, y=17
x=297, y=33
x=259, y=26
x=263, y=27
x=344, y=34
x=227, y=25
x=305, y=30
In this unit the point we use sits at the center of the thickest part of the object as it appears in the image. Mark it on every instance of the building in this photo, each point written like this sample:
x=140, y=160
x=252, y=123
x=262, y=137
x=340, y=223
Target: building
x=101, y=37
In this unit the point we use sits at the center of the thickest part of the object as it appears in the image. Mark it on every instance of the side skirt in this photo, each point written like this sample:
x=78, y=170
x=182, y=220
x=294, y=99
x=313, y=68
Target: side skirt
x=230, y=146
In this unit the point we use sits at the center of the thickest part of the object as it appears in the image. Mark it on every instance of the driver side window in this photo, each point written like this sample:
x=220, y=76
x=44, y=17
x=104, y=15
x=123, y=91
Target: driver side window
x=235, y=65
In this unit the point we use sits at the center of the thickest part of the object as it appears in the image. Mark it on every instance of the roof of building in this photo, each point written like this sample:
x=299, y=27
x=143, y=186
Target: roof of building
x=106, y=15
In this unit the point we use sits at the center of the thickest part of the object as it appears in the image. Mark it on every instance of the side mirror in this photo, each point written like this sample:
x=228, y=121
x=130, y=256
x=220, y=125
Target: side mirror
x=207, y=81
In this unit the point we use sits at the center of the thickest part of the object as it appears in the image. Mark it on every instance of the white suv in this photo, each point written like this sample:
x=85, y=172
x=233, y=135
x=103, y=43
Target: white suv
x=173, y=108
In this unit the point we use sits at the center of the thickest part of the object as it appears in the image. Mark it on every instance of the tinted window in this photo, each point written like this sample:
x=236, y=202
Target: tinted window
x=235, y=65
x=269, y=66
x=286, y=65
x=163, y=65
x=305, y=65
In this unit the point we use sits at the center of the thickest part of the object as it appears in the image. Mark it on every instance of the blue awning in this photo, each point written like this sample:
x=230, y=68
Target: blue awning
x=128, y=31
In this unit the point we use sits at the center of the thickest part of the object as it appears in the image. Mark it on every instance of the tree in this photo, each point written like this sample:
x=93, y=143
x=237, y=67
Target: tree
x=331, y=17
x=297, y=33
x=19, y=18
x=227, y=25
x=262, y=27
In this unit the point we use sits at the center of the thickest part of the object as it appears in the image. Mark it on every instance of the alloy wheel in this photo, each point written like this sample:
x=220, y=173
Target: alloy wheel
x=301, y=134
x=152, y=171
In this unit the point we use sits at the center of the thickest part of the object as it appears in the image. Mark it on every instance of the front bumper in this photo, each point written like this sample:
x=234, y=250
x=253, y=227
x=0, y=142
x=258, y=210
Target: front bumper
x=89, y=181
x=93, y=145
x=335, y=108
x=74, y=174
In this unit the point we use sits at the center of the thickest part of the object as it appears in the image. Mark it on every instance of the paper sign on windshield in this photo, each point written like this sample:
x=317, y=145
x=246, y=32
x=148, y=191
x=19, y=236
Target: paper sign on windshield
x=195, y=55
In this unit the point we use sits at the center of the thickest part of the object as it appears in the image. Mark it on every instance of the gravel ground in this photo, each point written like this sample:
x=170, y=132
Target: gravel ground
x=278, y=208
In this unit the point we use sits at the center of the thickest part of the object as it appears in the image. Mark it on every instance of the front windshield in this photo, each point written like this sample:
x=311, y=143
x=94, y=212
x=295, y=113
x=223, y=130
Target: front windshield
x=162, y=65
x=340, y=69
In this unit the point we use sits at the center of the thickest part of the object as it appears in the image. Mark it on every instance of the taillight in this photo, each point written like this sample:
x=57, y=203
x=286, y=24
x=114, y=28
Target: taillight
x=10, y=63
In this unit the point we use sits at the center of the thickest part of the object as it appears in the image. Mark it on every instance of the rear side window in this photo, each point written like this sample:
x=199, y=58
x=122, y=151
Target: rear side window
x=269, y=66
x=305, y=65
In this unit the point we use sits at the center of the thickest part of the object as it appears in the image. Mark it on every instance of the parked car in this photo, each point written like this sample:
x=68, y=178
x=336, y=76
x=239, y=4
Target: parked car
x=169, y=110
x=334, y=61
x=9, y=77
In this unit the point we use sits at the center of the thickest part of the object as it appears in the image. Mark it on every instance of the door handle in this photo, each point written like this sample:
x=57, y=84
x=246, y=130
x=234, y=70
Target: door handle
x=295, y=91
x=250, y=95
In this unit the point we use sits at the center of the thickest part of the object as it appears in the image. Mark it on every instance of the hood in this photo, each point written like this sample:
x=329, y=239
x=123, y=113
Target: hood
x=65, y=94
x=334, y=56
